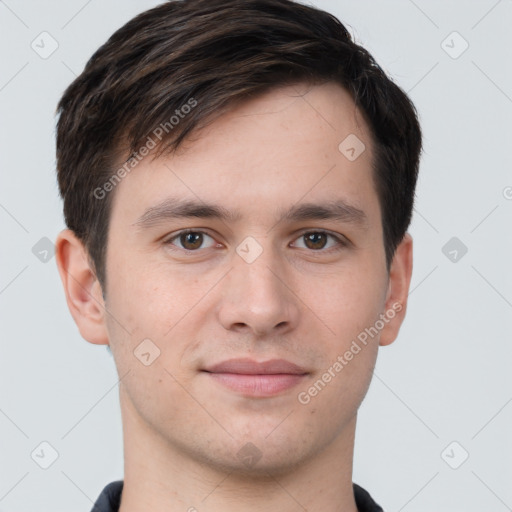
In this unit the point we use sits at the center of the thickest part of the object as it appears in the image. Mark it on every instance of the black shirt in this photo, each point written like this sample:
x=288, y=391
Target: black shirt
x=110, y=499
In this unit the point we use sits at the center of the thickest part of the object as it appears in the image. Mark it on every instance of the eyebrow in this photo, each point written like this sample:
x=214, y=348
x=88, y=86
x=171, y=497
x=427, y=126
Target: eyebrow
x=177, y=208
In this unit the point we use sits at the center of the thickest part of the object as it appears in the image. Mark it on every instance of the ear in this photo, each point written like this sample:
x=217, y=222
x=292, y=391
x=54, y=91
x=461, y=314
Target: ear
x=82, y=288
x=398, y=289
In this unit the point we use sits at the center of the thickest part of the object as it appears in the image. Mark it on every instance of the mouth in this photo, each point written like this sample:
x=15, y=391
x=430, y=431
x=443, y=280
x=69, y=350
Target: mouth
x=257, y=379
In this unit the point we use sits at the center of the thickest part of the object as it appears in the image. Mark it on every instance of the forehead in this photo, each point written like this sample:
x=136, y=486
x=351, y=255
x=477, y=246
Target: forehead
x=293, y=143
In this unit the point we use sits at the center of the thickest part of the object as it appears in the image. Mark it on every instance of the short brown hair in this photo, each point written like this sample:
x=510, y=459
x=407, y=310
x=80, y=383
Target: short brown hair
x=217, y=53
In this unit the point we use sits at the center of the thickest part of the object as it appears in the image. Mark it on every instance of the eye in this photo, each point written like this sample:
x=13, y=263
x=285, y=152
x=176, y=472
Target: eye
x=319, y=240
x=190, y=240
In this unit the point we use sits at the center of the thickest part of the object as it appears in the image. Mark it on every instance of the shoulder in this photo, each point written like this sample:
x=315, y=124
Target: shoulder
x=110, y=498
x=364, y=501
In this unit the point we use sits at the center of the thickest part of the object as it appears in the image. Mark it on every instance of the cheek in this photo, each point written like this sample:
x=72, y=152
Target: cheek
x=353, y=308
x=350, y=302
x=337, y=389
x=148, y=299
x=147, y=340
x=150, y=303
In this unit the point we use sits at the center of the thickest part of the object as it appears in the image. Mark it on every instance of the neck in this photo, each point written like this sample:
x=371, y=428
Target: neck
x=161, y=478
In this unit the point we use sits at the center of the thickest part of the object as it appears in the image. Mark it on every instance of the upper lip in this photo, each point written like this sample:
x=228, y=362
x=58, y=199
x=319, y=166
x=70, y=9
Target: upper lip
x=247, y=366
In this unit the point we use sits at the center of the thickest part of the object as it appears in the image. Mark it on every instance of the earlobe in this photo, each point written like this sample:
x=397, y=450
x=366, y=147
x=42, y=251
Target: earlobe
x=82, y=288
x=398, y=290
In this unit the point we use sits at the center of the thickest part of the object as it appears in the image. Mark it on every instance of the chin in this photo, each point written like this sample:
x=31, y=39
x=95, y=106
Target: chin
x=251, y=461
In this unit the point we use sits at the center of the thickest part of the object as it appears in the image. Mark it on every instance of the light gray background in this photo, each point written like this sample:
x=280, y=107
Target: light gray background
x=447, y=378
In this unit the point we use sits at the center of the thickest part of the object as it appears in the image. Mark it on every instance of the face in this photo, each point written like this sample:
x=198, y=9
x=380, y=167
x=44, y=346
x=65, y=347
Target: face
x=244, y=273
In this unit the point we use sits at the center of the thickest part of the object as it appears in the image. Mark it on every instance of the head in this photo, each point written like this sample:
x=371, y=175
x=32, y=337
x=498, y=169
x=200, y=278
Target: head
x=300, y=156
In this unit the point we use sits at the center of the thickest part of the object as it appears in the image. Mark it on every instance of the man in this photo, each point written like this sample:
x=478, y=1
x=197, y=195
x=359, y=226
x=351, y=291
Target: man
x=238, y=178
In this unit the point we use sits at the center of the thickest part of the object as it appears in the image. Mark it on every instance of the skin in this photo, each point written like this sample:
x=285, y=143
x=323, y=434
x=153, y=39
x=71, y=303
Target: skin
x=183, y=430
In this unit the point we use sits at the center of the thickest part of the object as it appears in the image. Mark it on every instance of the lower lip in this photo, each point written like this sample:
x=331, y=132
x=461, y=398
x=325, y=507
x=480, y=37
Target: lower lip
x=258, y=385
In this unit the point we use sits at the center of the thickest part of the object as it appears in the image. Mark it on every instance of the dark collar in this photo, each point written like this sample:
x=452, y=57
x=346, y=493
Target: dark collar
x=110, y=499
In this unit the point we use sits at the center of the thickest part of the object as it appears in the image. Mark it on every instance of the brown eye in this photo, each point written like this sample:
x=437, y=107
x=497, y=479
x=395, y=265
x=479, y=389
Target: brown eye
x=320, y=241
x=191, y=241
x=315, y=240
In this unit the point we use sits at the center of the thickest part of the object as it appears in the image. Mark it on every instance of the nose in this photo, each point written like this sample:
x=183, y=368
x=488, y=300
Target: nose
x=258, y=298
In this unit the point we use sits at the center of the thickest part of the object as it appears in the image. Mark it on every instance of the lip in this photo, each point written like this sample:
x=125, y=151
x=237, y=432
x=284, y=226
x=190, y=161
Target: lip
x=245, y=366
x=257, y=379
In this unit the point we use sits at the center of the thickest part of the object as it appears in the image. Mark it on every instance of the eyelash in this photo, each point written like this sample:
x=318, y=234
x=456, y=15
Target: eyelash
x=342, y=243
